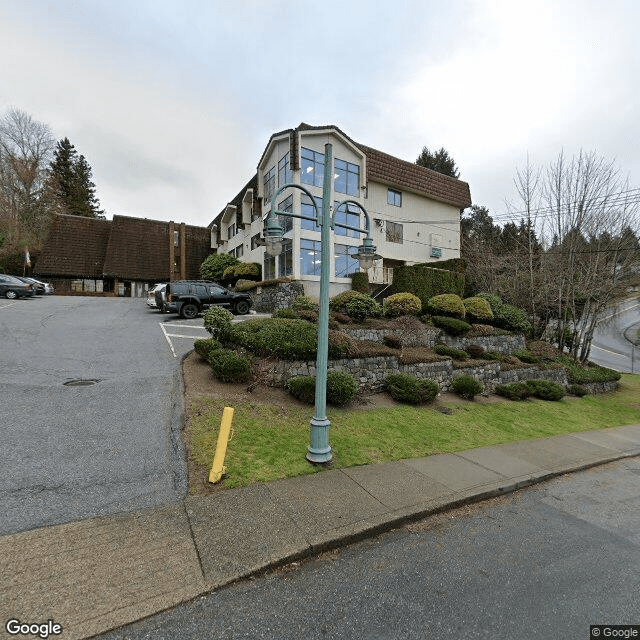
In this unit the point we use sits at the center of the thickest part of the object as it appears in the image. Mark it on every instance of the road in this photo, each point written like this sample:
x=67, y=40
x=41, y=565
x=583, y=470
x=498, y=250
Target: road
x=610, y=348
x=73, y=452
x=545, y=562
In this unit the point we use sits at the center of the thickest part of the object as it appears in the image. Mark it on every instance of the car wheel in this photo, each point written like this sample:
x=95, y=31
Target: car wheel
x=11, y=295
x=242, y=307
x=189, y=311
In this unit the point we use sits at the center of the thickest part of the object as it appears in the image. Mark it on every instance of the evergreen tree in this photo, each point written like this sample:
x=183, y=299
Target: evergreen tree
x=70, y=183
x=439, y=161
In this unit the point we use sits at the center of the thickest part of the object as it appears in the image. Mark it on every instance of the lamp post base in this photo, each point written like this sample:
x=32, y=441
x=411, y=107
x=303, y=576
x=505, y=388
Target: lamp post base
x=319, y=451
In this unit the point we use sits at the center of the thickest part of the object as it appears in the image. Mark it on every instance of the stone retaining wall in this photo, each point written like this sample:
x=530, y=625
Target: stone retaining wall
x=504, y=345
x=370, y=373
x=277, y=296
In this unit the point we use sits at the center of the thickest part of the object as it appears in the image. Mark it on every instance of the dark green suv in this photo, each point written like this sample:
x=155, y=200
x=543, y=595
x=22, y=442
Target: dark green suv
x=189, y=297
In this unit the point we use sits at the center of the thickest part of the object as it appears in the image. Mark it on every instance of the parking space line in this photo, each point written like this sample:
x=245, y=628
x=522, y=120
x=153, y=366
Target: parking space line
x=180, y=335
x=168, y=339
x=9, y=304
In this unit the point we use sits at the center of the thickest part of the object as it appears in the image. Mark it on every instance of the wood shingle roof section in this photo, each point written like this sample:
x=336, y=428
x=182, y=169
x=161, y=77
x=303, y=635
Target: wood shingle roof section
x=75, y=247
x=382, y=167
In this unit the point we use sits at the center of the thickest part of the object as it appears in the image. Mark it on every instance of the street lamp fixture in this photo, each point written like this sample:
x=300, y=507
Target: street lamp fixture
x=319, y=450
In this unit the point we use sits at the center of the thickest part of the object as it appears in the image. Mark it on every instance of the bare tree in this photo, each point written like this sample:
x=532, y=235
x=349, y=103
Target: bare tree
x=26, y=148
x=589, y=207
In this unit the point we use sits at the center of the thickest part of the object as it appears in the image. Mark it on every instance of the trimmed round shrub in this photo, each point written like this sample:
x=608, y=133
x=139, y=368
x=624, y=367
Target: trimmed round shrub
x=287, y=312
x=513, y=391
x=358, y=306
x=312, y=316
x=302, y=387
x=446, y=304
x=360, y=282
x=493, y=300
x=407, y=388
x=475, y=351
x=512, y=318
x=248, y=271
x=526, y=356
x=305, y=303
x=402, y=304
x=545, y=389
x=452, y=352
x=491, y=355
x=229, y=273
x=452, y=326
x=577, y=390
x=217, y=321
x=228, y=366
x=205, y=346
x=466, y=387
x=244, y=285
x=341, y=387
x=581, y=374
x=477, y=309
x=214, y=265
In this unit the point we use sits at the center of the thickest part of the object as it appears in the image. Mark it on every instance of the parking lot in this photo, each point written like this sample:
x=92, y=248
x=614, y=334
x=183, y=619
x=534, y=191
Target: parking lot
x=92, y=407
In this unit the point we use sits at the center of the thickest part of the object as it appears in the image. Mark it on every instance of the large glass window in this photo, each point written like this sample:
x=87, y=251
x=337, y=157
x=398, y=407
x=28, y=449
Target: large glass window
x=284, y=170
x=286, y=222
x=231, y=231
x=285, y=259
x=394, y=197
x=309, y=257
x=311, y=167
x=347, y=178
x=347, y=214
x=269, y=183
x=269, y=269
x=394, y=232
x=345, y=264
x=308, y=210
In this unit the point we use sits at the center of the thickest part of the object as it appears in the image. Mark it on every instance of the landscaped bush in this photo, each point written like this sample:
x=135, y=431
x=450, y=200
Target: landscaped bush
x=356, y=305
x=477, y=309
x=206, y=345
x=581, y=374
x=544, y=350
x=360, y=282
x=452, y=326
x=248, y=271
x=286, y=339
x=305, y=303
x=302, y=387
x=577, y=390
x=475, y=351
x=456, y=354
x=425, y=282
x=446, y=304
x=545, y=389
x=341, y=387
x=491, y=355
x=342, y=318
x=287, y=312
x=526, y=356
x=217, y=321
x=214, y=265
x=512, y=318
x=493, y=300
x=228, y=274
x=402, y=304
x=312, y=316
x=245, y=285
x=228, y=366
x=406, y=388
x=466, y=387
x=393, y=341
x=513, y=391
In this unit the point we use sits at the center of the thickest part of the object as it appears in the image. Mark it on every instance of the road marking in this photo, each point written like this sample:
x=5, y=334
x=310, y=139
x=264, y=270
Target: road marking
x=168, y=339
x=615, y=353
x=9, y=304
x=185, y=326
x=180, y=335
x=633, y=306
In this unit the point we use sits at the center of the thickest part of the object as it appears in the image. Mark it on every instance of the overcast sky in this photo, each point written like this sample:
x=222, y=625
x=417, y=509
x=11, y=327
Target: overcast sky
x=172, y=102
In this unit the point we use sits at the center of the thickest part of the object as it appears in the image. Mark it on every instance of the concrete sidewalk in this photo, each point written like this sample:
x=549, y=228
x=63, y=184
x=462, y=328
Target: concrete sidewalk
x=94, y=575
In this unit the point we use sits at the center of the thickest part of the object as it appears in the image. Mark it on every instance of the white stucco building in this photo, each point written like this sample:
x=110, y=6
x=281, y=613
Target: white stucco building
x=414, y=212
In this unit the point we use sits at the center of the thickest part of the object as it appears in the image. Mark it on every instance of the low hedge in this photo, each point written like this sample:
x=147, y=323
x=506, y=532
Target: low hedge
x=205, y=346
x=513, y=391
x=466, y=387
x=545, y=389
x=447, y=304
x=581, y=374
x=456, y=354
x=406, y=388
x=477, y=309
x=526, y=356
x=217, y=321
x=341, y=388
x=402, y=304
x=452, y=326
x=228, y=366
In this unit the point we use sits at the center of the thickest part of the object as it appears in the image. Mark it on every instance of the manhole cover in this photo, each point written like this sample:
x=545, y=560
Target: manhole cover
x=80, y=383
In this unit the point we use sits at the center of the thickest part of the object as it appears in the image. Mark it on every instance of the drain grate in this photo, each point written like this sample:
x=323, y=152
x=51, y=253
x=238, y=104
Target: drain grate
x=80, y=382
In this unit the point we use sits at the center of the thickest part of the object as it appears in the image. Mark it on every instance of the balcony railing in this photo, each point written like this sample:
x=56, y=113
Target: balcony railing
x=381, y=275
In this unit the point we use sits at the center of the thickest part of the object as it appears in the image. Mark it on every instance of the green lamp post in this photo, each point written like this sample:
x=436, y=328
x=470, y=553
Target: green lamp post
x=319, y=450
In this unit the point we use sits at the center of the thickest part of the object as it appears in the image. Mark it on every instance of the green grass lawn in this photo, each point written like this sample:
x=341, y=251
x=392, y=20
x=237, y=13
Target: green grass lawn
x=270, y=443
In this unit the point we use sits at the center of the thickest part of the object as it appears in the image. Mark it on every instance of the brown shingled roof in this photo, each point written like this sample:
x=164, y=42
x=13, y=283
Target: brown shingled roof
x=138, y=249
x=75, y=247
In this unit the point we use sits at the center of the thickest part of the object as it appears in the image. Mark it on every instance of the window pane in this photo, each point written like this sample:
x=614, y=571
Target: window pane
x=352, y=184
x=269, y=267
x=345, y=264
x=309, y=257
x=285, y=259
x=308, y=210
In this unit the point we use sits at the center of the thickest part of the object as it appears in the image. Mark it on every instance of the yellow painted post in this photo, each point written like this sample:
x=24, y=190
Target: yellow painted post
x=221, y=448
